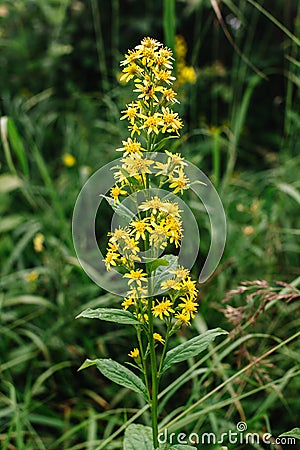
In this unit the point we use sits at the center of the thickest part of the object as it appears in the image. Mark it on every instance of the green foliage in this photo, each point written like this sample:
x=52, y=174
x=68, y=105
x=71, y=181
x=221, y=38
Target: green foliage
x=118, y=374
x=191, y=348
x=110, y=315
x=295, y=433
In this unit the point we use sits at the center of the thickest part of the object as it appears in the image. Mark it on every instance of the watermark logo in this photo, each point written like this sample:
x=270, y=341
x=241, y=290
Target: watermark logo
x=238, y=436
x=96, y=190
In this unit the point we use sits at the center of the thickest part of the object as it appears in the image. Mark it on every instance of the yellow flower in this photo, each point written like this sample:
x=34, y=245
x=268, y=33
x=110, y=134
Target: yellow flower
x=134, y=129
x=164, y=76
x=134, y=164
x=183, y=318
x=169, y=95
x=111, y=260
x=135, y=353
x=189, y=287
x=163, y=57
x=147, y=90
x=188, y=75
x=119, y=234
x=136, y=276
x=140, y=227
x=129, y=72
x=175, y=159
x=131, y=146
x=132, y=245
x=172, y=283
x=188, y=307
x=171, y=208
x=158, y=338
x=115, y=192
x=154, y=203
x=171, y=121
x=163, y=308
x=38, y=242
x=68, y=160
x=132, y=56
x=152, y=123
x=127, y=302
x=179, y=183
x=131, y=113
x=32, y=276
x=158, y=235
x=173, y=230
x=181, y=273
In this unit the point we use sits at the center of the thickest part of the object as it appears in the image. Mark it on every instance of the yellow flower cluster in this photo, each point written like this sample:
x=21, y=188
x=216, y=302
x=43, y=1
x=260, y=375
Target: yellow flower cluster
x=160, y=226
x=185, y=74
x=150, y=66
x=157, y=225
x=181, y=304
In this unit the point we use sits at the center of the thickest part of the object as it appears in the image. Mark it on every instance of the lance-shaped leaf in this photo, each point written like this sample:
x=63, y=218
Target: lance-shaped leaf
x=138, y=437
x=120, y=208
x=190, y=348
x=118, y=374
x=110, y=315
x=294, y=433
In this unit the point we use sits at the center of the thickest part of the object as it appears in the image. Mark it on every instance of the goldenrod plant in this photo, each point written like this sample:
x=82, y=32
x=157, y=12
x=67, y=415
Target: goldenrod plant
x=161, y=295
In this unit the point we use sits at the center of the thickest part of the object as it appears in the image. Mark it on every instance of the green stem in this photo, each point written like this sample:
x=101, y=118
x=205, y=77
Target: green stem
x=143, y=362
x=154, y=377
x=216, y=158
x=164, y=350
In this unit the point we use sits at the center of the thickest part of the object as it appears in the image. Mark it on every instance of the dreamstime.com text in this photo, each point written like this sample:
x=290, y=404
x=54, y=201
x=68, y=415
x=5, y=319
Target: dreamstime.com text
x=238, y=436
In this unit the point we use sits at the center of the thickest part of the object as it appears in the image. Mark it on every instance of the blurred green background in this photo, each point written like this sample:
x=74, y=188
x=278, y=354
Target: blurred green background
x=238, y=82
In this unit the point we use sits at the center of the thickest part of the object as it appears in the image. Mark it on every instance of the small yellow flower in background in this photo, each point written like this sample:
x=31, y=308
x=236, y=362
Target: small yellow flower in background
x=188, y=75
x=158, y=338
x=38, y=242
x=248, y=230
x=68, y=160
x=32, y=276
x=185, y=74
x=135, y=353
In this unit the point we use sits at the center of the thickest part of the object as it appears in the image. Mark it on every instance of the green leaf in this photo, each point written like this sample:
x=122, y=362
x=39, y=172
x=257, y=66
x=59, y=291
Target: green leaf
x=138, y=437
x=109, y=315
x=119, y=208
x=10, y=138
x=118, y=374
x=295, y=433
x=161, y=143
x=157, y=263
x=190, y=348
